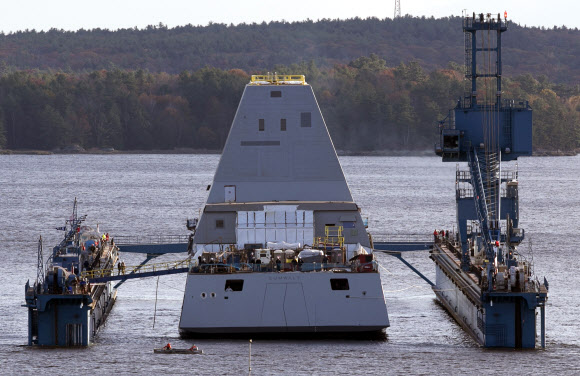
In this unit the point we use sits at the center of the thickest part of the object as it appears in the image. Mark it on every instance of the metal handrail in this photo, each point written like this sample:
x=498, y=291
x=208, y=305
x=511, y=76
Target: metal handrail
x=150, y=239
x=99, y=273
x=278, y=79
x=408, y=238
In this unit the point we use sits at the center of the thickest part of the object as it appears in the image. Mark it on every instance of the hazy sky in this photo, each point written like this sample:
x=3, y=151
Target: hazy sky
x=114, y=14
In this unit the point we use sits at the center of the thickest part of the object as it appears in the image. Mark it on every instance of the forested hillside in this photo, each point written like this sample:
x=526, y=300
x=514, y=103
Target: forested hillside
x=433, y=43
x=368, y=106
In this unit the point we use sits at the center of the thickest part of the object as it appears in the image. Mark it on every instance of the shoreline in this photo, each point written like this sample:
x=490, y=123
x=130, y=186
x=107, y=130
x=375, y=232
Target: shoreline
x=342, y=153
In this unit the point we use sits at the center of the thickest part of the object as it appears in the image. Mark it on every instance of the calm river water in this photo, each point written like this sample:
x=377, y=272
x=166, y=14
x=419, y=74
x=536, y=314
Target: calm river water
x=154, y=194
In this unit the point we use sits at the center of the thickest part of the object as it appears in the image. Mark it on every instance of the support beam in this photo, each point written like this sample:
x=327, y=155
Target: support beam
x=400, y=257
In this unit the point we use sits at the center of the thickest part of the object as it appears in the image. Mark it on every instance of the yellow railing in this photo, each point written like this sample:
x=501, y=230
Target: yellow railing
x=278, y=79
x=98, y=273
x=333, y=237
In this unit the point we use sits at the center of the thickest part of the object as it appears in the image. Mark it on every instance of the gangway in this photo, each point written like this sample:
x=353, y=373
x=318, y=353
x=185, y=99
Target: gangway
x=391, y=244
x=395, y=244
x=153, y=244
x=140, y=271
x=402, y=242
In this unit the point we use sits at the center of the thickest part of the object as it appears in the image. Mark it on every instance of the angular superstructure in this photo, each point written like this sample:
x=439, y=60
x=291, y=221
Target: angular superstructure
x=280, y=245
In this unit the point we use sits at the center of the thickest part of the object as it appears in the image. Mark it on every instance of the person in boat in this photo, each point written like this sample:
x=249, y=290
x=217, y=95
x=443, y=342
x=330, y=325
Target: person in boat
x=167, y=347
x=193, y=348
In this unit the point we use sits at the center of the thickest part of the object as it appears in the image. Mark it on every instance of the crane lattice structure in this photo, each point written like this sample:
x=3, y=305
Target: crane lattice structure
x=40, y=265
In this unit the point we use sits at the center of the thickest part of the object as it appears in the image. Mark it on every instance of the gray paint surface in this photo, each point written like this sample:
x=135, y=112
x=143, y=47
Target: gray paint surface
x=299, y=163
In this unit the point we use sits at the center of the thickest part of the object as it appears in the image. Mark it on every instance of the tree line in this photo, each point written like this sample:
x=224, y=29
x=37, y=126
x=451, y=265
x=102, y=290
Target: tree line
x=367, y=104
x=431, y=42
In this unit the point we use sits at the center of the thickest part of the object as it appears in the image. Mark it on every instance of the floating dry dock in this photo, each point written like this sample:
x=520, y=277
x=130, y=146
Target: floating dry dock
x=65, y=309
x=481, y=278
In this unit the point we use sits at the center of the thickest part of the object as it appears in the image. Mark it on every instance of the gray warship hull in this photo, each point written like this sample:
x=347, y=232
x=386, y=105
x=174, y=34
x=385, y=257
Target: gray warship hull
x=289, y=302
x=281, y=246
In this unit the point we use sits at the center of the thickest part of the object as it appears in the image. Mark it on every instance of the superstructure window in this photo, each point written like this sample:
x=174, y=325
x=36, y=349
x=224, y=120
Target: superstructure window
x=283, y=124
x=339, y=284
x=261, y=125
x=275, y=94
x=219, y=223
x=234, y=285
x=306, y=119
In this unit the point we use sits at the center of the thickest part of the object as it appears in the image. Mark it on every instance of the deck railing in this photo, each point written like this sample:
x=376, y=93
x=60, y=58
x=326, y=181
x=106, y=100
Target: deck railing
x=151, y=239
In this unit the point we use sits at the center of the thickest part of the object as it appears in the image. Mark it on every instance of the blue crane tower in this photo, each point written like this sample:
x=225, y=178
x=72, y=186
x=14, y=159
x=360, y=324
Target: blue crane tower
x=483, y=130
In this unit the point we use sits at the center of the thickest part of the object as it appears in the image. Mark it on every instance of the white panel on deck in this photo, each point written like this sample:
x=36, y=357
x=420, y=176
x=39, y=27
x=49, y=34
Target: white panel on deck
x=300, y=218
x=281, y=234
x=280, y=218
x=270, y=217
x=300, y=236
x=261, y=236
x=291, y=236
x=242, y=237
x=251, y=236
x=308, y=217
x=308, y=236
x=251, y=221
x=242, y=219
x=271, y=235
x=280, y=207
x=291, y=219
x=260, y=219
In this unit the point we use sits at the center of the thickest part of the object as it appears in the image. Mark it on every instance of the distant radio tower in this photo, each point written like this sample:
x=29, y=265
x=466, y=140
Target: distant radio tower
x=397, y=9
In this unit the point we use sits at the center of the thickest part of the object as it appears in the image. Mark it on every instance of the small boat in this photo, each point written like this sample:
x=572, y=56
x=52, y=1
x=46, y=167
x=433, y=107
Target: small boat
x=193, y=350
